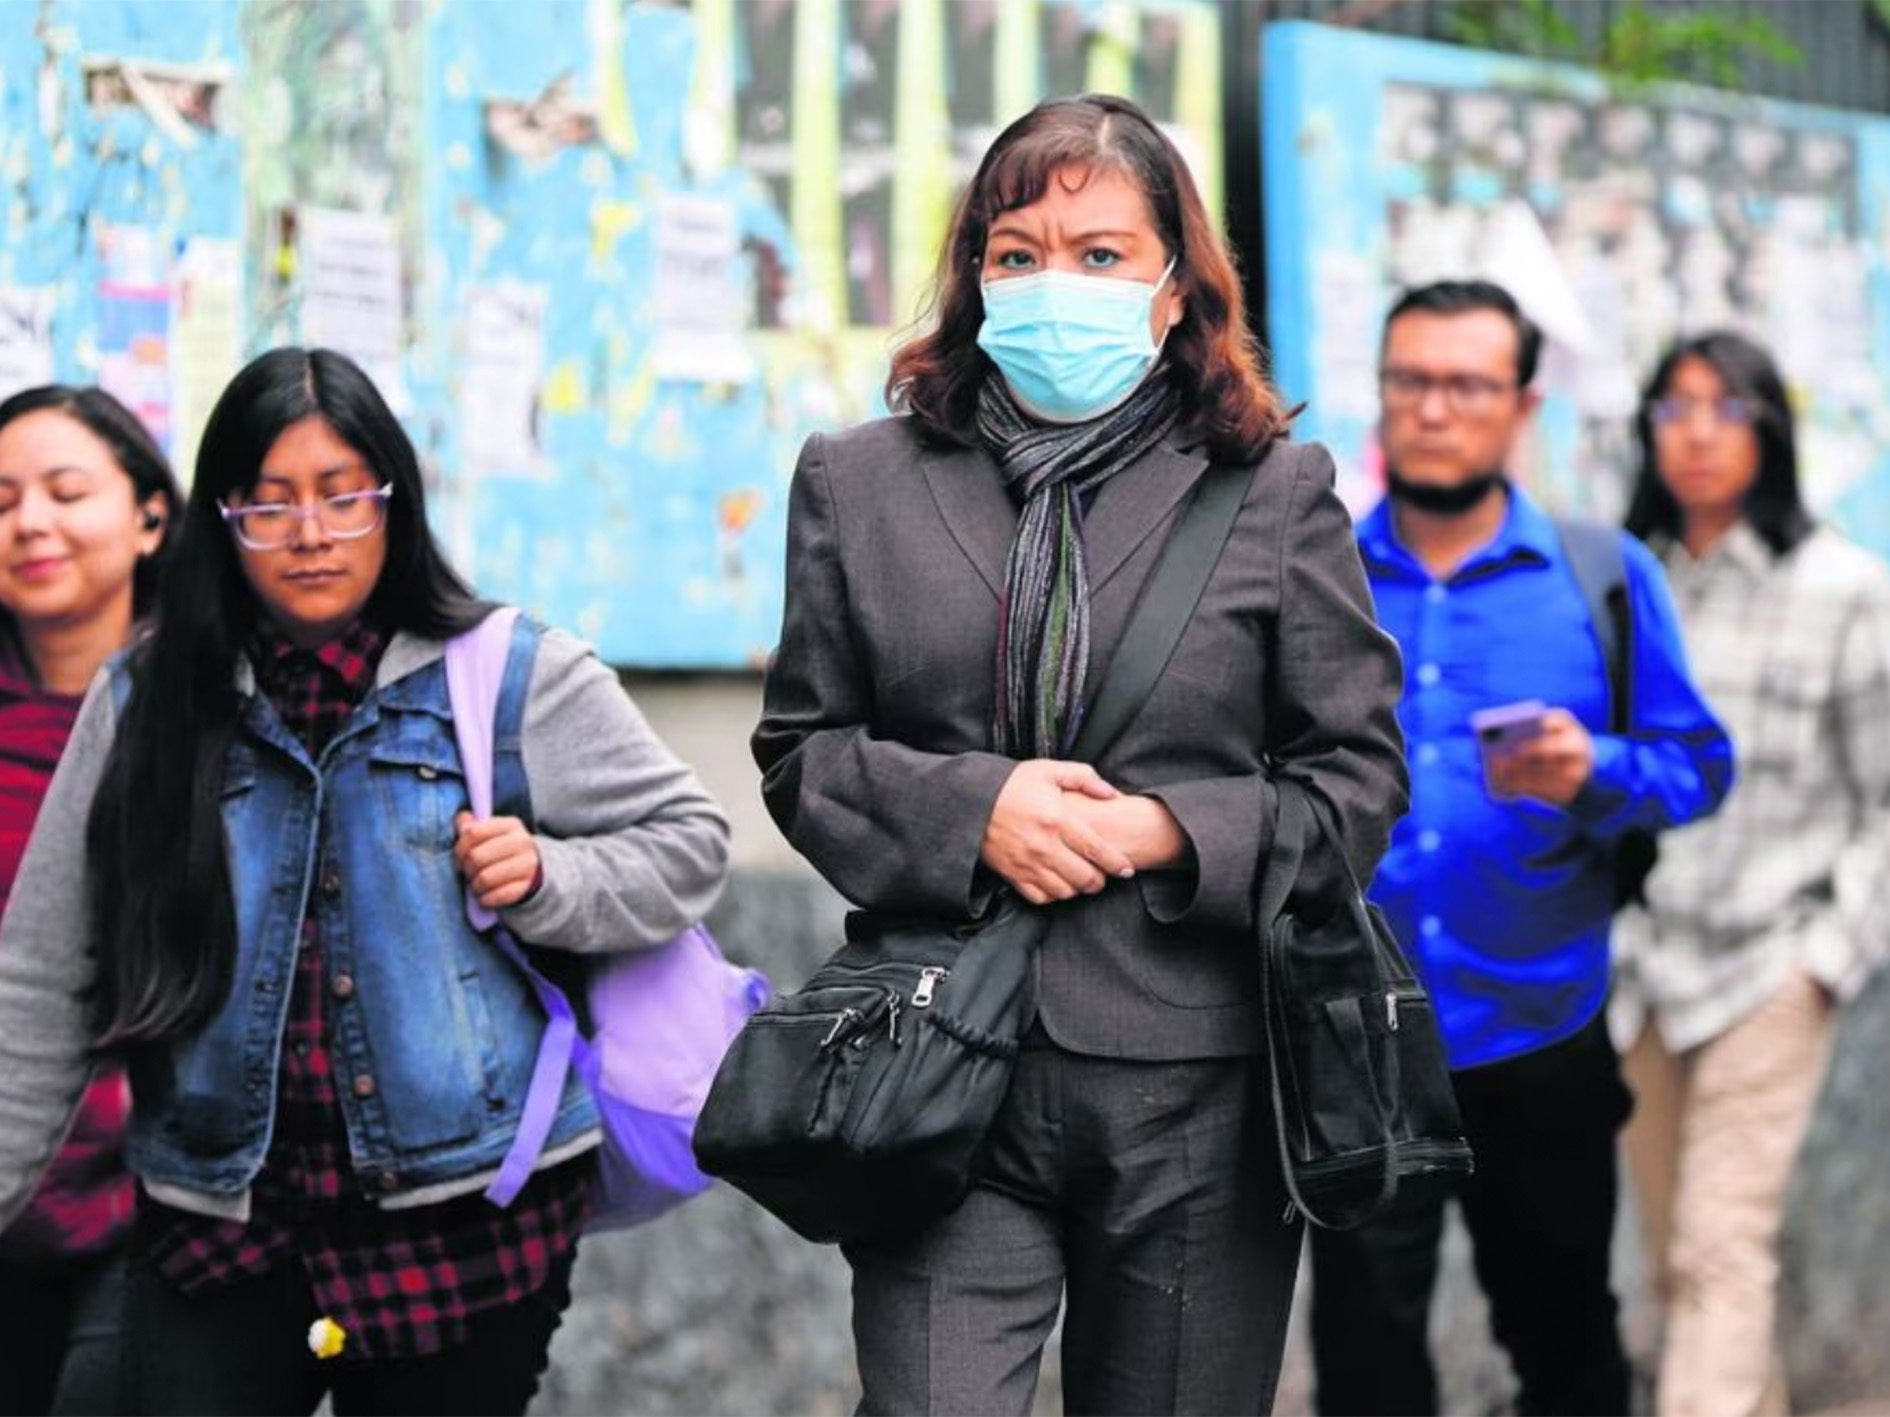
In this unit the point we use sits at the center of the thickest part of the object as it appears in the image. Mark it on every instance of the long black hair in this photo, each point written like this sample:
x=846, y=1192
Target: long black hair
x=138, y=457
x=165, y=928
x=1774, y=507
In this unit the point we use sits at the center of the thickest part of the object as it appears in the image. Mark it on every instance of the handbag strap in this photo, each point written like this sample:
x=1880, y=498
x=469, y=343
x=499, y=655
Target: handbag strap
x=475, y=674
x=1169, y=598
x=1289, y=850
x=1294, y=824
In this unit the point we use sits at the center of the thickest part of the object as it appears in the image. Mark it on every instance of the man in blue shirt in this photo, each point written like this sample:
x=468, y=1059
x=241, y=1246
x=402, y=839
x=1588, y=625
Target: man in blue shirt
x=1499, y=882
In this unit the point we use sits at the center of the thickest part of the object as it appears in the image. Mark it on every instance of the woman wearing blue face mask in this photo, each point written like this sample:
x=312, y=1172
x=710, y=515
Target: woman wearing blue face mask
x=959, y=577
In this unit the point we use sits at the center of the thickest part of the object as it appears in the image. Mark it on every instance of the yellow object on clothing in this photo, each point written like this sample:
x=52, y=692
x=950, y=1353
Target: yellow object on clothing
x=326, y=1338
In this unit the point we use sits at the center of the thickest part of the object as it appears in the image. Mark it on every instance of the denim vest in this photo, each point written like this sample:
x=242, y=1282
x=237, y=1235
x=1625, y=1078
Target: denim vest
x=432, y=1032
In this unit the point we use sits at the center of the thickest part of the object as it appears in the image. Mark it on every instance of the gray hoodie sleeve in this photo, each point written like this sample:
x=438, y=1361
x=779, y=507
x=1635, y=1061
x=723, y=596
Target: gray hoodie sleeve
x=47, y=965
x=634, y=848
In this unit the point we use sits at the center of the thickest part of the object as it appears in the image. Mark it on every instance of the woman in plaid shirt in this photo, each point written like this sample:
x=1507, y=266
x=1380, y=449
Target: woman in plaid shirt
x=260, y=830
x=1762, y=920
x=87, y=508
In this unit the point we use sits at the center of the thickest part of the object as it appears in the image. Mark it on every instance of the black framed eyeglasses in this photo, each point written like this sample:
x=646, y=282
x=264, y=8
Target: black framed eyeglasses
x=1463, y=393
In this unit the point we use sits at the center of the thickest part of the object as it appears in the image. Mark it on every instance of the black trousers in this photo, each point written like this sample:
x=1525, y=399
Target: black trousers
x=59, y=1335
x=1149, y=1196
x=1540, y=1211
x=244, y=1349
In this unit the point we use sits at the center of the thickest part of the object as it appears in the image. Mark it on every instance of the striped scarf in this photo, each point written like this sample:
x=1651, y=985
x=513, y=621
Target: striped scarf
x=1043, y=619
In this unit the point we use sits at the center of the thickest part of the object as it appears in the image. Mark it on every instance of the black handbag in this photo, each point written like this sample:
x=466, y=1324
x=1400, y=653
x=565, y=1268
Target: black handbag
x=857, y=1107
x=1362, y=1097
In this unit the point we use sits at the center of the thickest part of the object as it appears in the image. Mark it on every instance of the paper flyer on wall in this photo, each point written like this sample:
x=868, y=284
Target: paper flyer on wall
x=26, y=349
x=701, y=292
x=206, y=338
x=134, y=323
x=503, y=369
x=351, y=292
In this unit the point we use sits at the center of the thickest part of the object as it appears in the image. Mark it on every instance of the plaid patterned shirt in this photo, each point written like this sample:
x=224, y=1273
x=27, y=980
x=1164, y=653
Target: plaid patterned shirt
x=1794, y=872
x=400, y=1282
x=84, y=1201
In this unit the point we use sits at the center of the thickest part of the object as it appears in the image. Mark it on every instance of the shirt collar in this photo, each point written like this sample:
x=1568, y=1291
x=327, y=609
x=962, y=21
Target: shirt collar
x=350, y=656
x=1527, y=532
x=1742, y=549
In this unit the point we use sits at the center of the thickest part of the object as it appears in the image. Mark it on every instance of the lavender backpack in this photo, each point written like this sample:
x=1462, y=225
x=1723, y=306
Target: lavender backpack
x=662, y=1018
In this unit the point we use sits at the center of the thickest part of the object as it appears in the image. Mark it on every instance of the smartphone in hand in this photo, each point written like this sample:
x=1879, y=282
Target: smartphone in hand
x=1503, y=729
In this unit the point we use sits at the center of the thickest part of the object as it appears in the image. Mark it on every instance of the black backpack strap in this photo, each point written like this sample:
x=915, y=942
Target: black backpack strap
x=1169, y=598
x=1594, y=558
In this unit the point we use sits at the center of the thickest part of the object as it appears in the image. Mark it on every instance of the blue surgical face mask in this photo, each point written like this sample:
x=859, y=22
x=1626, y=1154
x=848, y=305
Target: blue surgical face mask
x=1070, y=347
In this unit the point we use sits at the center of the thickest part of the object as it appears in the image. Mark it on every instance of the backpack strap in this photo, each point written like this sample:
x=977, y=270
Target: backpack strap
x=1161, y=614
x=488, y=669
x=1594, y=557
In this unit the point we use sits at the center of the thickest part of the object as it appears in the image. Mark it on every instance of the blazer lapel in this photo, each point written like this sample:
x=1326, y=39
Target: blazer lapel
x=1132, y=504
x=977, y=510
x=982, y=518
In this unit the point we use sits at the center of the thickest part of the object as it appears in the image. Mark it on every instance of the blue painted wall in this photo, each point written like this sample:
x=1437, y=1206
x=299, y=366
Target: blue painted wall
x=649, y=515
x=1386, y=159
x=69, y=172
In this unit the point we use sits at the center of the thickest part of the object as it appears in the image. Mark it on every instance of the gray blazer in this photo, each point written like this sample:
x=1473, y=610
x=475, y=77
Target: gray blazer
x=874, y=740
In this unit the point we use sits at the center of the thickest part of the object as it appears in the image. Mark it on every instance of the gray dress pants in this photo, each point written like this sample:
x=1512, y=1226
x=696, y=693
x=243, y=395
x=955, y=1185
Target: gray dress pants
x=1146, y=1194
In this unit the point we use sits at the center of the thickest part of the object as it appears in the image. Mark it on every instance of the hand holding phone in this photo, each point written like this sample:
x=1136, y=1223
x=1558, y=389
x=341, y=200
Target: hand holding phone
x=1502, y=730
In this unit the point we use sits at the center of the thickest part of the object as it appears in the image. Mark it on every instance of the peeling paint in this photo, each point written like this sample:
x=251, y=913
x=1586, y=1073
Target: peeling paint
x=652, y=512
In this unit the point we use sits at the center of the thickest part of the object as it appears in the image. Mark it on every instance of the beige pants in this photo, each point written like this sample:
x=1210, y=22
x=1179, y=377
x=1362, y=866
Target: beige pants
x=1711, y=1146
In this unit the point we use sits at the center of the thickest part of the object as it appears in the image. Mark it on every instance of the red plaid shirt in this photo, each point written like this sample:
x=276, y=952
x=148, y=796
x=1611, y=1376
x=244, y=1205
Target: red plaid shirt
x=84, y=1203
x=400, y=1282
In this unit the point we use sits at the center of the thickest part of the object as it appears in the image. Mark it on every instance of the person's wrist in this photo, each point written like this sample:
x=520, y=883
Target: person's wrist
x=1163, y=841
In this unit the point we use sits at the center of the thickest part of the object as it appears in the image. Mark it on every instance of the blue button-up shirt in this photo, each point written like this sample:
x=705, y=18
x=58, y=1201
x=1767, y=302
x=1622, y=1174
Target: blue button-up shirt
x=1504, y=906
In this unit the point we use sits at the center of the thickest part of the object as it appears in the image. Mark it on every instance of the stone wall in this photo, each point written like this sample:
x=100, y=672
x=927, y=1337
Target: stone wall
x=718, y=1308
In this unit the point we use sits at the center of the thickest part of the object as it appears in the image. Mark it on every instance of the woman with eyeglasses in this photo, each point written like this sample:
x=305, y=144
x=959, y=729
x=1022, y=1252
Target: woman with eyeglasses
x=249, y=879
x=1762, y=920
x=88, y=507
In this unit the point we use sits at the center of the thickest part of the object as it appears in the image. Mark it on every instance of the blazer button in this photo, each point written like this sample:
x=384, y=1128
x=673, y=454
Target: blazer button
x=331, y=883
x=342, y=986
x=428, y=772
x=364, y=1085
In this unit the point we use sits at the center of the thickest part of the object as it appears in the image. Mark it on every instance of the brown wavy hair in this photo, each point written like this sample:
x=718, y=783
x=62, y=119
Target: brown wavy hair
x=1212, y=356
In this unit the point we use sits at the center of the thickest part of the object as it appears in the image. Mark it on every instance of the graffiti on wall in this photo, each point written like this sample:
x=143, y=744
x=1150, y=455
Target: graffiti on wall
x=121, y=204
x=1619, y=222
x=610, y=261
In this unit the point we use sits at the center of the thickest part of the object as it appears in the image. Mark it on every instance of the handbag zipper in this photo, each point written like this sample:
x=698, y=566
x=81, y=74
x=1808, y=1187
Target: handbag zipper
x=893, y=1004
x=858, y=1026
x=852, y=1025
x=842, y=1023
x=929, y=979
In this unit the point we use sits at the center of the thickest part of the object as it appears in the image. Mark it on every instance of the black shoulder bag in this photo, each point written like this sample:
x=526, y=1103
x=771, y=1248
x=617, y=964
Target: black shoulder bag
x=857, y=1107
x=1362, y=1098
